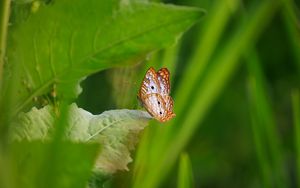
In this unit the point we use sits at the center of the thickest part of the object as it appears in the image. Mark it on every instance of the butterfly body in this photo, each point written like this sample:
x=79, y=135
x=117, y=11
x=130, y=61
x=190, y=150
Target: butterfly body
x=154, y=94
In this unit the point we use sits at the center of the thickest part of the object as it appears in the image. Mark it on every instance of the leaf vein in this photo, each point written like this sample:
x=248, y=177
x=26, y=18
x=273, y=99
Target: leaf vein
x=50, y=44
x=134, y=36
x=102, y=129
x=71, y=49
x=36, y=59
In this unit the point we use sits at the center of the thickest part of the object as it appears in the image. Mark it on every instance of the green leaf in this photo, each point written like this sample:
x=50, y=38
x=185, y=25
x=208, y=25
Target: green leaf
x=58, y=44
x=117, y=132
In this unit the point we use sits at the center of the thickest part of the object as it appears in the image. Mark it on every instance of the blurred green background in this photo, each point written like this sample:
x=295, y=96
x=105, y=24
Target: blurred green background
x=233, y=77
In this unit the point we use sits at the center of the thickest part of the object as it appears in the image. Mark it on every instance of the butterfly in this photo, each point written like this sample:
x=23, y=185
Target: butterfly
x=154, y=94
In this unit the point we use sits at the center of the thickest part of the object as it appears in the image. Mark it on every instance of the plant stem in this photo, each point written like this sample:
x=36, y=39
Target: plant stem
x=4, y=11
x=4, y=16
x=296, y=116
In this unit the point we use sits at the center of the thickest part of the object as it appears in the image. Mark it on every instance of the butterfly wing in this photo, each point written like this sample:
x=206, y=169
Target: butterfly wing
x=169, y=108
x=155, y=105
x=163, y=76
x=150, y=84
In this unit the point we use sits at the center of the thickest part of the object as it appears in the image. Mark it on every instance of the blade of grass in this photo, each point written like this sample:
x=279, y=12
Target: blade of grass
x=6, y=177
x=266, y=120
x=296, y=116
x=209, y=90
x=292, y=26
x=261, y=153
x=185, y=172
x=255, y=84
x=4, y=17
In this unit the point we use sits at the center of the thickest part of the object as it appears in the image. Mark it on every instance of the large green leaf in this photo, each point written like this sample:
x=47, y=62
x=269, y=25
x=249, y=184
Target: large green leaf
x=116, y=130
x=58, y=44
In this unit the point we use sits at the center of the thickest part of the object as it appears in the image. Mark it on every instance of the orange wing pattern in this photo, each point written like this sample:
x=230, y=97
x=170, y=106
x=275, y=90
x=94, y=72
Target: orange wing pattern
x=164, y=80
x=150, y=83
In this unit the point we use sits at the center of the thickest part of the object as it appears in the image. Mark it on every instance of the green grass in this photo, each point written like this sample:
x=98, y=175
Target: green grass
x=192, y=111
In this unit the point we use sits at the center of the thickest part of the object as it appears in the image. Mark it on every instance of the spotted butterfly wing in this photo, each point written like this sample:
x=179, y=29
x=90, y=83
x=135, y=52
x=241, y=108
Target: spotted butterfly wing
x=164, y=81
x=150, y=83
x=169, y=104
x=155, y=105
x=154, y=94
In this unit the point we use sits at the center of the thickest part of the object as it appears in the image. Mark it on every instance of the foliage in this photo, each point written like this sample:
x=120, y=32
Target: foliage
x=51, y=46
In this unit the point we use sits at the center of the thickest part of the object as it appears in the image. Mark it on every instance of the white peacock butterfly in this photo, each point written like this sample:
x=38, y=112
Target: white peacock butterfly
x=155, y=96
